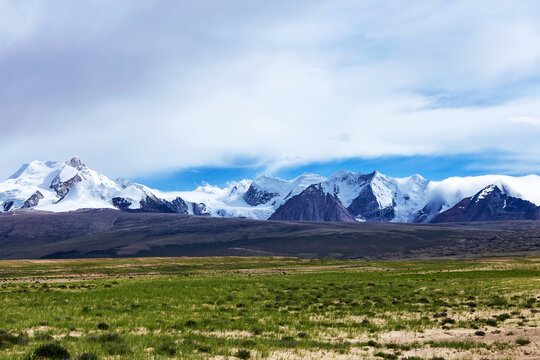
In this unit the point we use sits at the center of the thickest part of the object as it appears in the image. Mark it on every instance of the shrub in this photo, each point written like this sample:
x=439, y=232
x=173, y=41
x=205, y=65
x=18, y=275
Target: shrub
x=167, y=348
x=103, y=326
x=50, y=351
x=190, y=323
x=523, y=341
x=204, y=349
x=386, y=356
x=243, y=354
x=448, y=321
x=479, y=333
x=441, y=314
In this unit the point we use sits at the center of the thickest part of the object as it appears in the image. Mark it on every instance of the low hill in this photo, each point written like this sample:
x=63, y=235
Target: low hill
x=112, y=233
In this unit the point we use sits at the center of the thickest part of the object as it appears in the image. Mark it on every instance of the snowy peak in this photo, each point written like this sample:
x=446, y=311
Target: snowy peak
x=489, y=191
x=377, y=197
x=489, y=204
x=71, y=185
x=76, y=163
x=274, y=191
x=32, y=174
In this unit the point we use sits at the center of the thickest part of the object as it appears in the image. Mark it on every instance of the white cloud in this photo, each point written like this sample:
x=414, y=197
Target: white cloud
x=525, y=120
x=148, y=88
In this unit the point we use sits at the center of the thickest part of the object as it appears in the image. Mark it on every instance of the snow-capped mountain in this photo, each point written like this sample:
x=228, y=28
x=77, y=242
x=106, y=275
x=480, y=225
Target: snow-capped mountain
x=71, y=185
x=443, y=195
x=257, y=199
x=491, y=203
x=376, y=197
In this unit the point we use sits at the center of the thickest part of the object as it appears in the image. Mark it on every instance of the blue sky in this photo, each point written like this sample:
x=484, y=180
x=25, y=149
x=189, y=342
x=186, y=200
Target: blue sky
x=432, y=167
x=174, y=93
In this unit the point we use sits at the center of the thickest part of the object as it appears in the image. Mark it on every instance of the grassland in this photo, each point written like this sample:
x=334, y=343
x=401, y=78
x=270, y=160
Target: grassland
x=276, y=308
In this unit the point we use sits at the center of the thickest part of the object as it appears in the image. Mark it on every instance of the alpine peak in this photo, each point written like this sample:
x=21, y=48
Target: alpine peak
x=71, y=185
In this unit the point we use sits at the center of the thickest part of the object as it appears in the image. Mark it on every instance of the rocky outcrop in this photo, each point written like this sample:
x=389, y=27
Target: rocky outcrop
x=76, y=163
x=427, y=213
x=490, y=204
x=32, y=200
x=121, y=203
x=200, y=209
x=365, y=206
x=7, y=205
x=154, y=205
x=313, y=204
x=255, y=196
x=178, y=206
x=62, y=188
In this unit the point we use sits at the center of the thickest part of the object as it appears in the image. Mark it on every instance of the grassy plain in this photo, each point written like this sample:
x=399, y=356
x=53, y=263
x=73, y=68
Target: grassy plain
x=270, y=308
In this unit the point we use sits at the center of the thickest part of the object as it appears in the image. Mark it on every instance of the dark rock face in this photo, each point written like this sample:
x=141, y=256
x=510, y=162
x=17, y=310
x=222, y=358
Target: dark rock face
x=178, y=205
x=366, y=206
x=121, y=203
x=154, y=205
x=221, y=213
x=427, y=212
x=313, y=204
x=200, y=209
x=32, y=200
x=490, y=204
x=62, y=188
x=76, y=163
x=7, y=205
x=256, y=196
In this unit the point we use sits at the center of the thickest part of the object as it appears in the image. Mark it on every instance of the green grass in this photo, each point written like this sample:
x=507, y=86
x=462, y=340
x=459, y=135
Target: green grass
x=238, y=307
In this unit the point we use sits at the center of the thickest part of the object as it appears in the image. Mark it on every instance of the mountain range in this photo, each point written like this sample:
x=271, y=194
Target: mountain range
x=344, y=196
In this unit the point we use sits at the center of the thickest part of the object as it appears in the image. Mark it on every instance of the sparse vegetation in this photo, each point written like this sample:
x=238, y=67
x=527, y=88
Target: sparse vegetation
x=255, y=308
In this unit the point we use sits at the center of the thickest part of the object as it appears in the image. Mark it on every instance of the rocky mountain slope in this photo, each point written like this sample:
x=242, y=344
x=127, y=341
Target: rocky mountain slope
x=344, y=196
x=490, y=204
x=313, y=204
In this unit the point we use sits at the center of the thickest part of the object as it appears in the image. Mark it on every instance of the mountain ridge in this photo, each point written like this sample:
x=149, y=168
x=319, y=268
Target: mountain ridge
x=71, y=185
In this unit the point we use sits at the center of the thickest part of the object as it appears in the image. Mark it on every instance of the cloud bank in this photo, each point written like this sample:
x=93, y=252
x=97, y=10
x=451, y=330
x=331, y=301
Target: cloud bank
x=138, y=87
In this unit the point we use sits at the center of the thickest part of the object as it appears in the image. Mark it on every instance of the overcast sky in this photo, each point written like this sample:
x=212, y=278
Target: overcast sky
x=146, y=89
